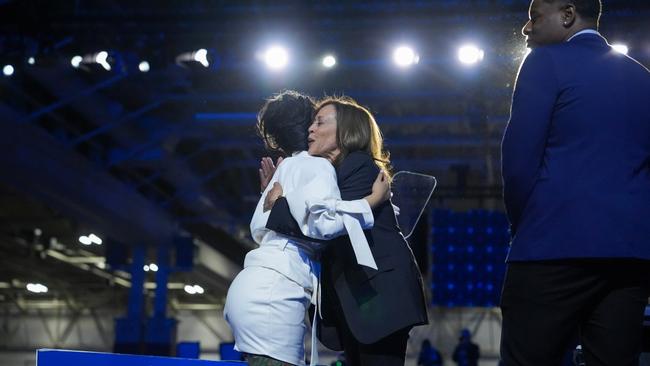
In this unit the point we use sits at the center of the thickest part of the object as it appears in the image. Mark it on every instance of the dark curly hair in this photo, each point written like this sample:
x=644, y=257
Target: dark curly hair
x=284, y=120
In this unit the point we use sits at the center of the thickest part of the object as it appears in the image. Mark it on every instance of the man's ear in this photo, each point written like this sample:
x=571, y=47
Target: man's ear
x=569, y=15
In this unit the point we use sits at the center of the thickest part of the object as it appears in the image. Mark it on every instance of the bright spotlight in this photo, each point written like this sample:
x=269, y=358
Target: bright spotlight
x=329, y=61
x=198, y=289
x=102, y=59
x=76, y=61
x=405, y=56
x=95, y=239
x=143, y=66
x=8, y=70
x=153, y=267
x=146, y=268
x=190, y=289
x=201, y=56
x=36, y=288
x=85, y=240
x=620, y=48
x=31, y=60
x=470, y=54
x=276, y=58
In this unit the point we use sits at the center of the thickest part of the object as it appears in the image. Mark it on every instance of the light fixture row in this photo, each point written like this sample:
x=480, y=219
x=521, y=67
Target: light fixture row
x=277, y=58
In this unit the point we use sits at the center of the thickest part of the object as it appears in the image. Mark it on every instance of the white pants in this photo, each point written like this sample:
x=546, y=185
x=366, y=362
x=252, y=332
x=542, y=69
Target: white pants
x=266, y=312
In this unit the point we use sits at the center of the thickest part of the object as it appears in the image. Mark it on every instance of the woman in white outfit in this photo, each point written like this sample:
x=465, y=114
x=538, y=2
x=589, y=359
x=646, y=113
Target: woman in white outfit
x=267, y=301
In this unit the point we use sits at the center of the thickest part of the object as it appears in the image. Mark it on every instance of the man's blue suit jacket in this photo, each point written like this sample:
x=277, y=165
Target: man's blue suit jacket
x=576, y=154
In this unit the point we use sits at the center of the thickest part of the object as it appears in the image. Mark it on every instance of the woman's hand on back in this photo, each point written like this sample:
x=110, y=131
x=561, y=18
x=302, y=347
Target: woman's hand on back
x=272, y=196
x=267, y=169
x=380, y=190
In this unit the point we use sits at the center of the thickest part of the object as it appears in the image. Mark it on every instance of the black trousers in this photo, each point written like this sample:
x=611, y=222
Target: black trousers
x=388, y=351
x=545, y=304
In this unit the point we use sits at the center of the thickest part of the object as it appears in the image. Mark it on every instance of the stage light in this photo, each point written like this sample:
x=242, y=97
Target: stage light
x=143, y=66
x=190, y=289
x=95, y=239
x=153, y=267
x=31, y=60
x=85, y=240
x=146, y=268
x=405, y=56
x=276, y=57
x=329, y=61
x=76, y=61
x=470, y=54
x=187, y=59
x=620, y=48
x=8, y=70
x=102, y=59
x=36, y=288
x=201, y=56
x=193, y=289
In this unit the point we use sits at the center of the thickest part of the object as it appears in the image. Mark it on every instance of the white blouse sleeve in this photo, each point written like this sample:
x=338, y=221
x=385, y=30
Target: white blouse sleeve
x=317, y=206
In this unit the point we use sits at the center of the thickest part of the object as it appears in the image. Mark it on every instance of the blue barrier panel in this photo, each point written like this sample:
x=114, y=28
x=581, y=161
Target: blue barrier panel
x=56, y=357
x=192, y=350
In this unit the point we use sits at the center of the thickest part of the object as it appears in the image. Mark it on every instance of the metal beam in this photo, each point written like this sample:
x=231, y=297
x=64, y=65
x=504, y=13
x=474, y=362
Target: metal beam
x=36, y=163
x=105, y=127
x=249, y=119
x=390, y=142
x=65, y=101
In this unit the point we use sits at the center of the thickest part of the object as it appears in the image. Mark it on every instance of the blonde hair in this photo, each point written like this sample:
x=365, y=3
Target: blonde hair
x=357, y=130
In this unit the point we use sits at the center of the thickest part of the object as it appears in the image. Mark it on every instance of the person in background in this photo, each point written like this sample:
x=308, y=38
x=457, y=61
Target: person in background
x=429, y=356
x=466, y=352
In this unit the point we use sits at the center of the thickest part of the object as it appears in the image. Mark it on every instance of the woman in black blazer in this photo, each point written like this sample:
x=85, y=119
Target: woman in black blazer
x=366, y=312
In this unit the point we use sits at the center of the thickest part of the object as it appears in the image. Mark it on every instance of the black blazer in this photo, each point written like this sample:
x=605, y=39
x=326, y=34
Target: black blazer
x=375, y=303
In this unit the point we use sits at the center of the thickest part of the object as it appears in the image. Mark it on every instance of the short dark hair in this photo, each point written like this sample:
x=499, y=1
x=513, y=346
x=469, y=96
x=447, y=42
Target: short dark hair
x=284, y=120
x=588, y=9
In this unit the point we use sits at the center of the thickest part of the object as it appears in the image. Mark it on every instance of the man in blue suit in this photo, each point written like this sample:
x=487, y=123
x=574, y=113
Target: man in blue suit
x=576, y=175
